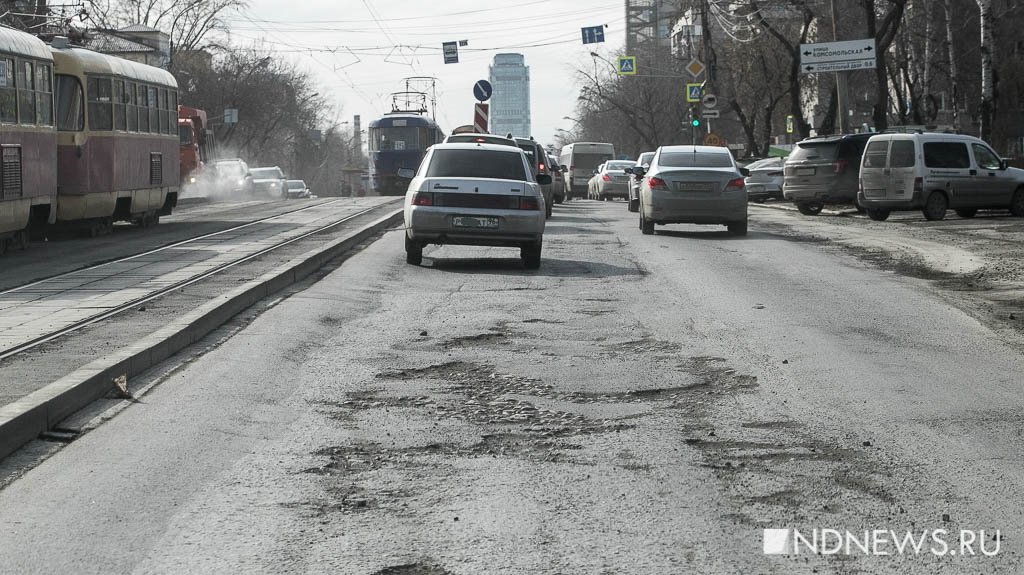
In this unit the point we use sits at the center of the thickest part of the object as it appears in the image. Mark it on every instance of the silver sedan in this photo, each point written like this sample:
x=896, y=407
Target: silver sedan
x=693, y=185
x=610, y=181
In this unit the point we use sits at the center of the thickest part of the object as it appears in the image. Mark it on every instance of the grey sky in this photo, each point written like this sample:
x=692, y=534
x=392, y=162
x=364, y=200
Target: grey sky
x=359, y=51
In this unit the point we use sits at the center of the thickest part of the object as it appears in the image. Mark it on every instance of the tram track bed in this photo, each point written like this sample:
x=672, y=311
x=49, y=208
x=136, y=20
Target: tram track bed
x=30, y=371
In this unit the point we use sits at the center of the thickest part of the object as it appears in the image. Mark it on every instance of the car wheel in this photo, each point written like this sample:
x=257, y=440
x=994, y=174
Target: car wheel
x=646, y=225
x=413, y=252
x=878, y=215
x=935, y=207
x=809, y=209
x=633, y=206
x=967, y=212
x=1017, y=203
x=738, y=228
x=530, y=254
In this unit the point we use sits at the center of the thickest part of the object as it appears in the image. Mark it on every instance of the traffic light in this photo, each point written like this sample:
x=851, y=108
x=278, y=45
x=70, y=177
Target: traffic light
x=694, y=117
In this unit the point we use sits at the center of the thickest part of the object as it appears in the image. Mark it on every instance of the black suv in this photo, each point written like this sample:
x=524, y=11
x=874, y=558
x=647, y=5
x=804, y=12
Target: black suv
x=824, y=170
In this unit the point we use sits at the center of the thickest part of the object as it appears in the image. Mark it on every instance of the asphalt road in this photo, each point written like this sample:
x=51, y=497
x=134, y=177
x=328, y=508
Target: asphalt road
x=641, y=404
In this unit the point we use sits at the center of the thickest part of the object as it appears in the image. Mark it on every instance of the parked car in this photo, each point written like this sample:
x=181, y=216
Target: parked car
x=269, y=181
x=479, y=139
x=765, y=180
x=692, y=185
x=557, y=180
x=643, y=161
x=935, y=172
x=610, y=180
x=539, y=165
x=475, y=194
x=297, y=189
x=823, y=170
x=231, y=176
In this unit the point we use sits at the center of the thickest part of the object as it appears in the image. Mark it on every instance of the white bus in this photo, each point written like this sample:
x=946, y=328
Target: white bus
x=580, y=159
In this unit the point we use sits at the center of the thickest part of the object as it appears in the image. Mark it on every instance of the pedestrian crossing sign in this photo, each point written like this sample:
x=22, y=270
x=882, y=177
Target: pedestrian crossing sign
x=627, y=66
x=693, y=92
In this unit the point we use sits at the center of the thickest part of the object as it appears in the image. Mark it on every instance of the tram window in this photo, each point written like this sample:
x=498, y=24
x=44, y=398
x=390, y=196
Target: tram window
x=44, y=95
x=70, y=116
x=120, y=122
x=101, y=116
x=143, y=112
x=172, y=112
x=154, y=122
x=8, y=93
x=161, y=95
x=26, y=98
x=130, y=109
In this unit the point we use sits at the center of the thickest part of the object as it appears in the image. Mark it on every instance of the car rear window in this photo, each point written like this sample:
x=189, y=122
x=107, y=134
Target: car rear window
x=815, y=151
x=619, y=165
x=902, y=154
x=589, y=161
x=694, y=160
x=476, y=164
x=874, y=157
x=952, y=155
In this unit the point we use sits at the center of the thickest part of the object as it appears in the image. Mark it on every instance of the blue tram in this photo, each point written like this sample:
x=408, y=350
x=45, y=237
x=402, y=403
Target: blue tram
x=398, y=140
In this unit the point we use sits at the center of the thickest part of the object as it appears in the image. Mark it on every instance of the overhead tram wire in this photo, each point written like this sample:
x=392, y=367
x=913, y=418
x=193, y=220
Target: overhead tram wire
x=465, y=12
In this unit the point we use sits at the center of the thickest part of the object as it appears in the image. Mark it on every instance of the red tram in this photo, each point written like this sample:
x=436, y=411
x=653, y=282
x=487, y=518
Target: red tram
x=86, y=139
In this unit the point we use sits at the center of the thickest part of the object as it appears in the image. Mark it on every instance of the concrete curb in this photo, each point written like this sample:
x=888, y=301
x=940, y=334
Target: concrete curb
x=34, y=414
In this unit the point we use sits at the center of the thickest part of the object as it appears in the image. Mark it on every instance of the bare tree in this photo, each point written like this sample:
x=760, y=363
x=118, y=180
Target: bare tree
x=792, y=51
x=987, y=67
x=187, y=22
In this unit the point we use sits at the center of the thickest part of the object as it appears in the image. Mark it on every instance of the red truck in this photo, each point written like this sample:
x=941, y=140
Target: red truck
x=197, y=143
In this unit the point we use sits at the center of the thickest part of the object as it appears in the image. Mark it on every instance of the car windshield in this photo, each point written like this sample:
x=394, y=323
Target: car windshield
x=229, y=168
x=695, y=160
x=266, y=173
x=470, y=163
x=645, y=158
x=619, y=165
x=814, y=151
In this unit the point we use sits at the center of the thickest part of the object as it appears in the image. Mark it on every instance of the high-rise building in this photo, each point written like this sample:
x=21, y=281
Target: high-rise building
x=510, y=102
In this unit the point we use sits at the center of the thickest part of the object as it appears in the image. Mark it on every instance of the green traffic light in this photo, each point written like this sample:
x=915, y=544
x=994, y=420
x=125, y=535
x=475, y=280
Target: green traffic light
x=695, y=122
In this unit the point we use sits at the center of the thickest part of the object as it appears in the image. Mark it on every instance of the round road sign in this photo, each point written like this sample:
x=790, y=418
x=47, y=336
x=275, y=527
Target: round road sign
x=482, y=90
x=709, y=101
x=713, y=139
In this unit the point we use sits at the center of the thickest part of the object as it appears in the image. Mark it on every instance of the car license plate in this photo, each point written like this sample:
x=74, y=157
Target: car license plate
x=474, y=222
x=805, y=171
x=694, y=187
x=755, y=189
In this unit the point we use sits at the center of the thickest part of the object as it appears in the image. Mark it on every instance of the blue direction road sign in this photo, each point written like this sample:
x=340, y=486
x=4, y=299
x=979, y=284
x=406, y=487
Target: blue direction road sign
x=482, y=90
x=451, y=52
x=627, y=66
x=593, y=34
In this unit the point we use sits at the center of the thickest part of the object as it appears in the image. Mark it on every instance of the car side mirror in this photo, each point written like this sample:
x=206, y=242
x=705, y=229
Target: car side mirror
x=543, y=179
x=638, y=171
x=1003, y=164
x=745, y=172
x=406, y=173
x=628, y=170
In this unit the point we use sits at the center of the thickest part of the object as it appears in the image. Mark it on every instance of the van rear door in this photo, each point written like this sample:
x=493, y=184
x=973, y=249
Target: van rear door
x=874, y=176
x=902, y=167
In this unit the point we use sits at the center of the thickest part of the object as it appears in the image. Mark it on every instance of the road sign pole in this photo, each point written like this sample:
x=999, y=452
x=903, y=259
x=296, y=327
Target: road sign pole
x=840, y=76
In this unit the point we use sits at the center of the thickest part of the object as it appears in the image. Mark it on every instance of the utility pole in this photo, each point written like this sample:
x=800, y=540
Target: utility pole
x=840, y=78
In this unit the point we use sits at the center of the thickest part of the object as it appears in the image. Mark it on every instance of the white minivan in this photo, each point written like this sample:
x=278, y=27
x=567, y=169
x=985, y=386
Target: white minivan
x=580, y=159
x=934, y=172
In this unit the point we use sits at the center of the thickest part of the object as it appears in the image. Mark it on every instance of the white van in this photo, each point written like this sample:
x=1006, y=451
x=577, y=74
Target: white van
x=580, y=159
x=934, y=172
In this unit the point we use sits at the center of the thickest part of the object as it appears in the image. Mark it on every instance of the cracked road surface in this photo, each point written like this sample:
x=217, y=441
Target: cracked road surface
x=641, y=404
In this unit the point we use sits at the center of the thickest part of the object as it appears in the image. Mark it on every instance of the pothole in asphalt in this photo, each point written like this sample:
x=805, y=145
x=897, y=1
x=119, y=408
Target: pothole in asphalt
x=413, y=569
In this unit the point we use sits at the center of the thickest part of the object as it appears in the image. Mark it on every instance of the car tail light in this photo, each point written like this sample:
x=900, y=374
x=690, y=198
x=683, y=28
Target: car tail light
x=734, y=185
x=839, y=166
x=657, y=184
x=606, y=178
x=529, y=203
x=918, y=184
x=542, y=167
x=423, y=199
